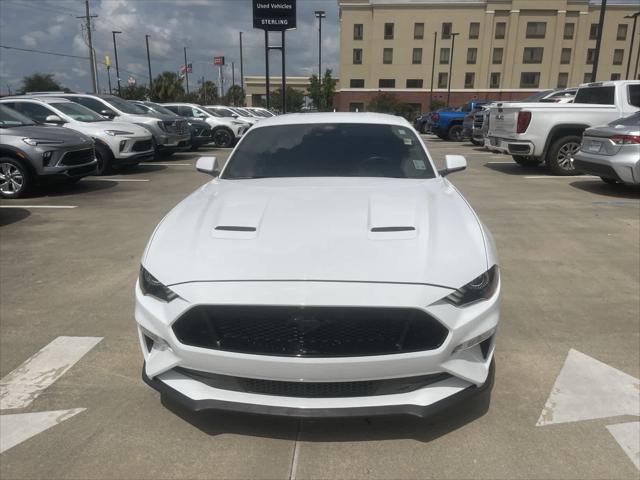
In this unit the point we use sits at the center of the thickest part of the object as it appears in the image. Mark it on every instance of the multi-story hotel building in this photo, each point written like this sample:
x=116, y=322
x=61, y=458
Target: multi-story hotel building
x=500, y=49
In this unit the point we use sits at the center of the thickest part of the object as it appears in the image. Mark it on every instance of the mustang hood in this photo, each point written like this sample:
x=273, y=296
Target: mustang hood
x=343, y=229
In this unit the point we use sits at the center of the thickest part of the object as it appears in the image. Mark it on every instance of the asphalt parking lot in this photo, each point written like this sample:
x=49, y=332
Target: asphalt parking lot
x=567, y=358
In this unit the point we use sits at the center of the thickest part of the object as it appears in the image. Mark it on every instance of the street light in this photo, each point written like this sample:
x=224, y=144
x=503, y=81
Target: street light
x=320, y=14
x=146, y=38
x=115, y=51
x=453, y=44
x=633, y=34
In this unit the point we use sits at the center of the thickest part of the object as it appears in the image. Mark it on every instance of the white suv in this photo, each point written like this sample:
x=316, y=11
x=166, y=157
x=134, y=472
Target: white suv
x=116, y=143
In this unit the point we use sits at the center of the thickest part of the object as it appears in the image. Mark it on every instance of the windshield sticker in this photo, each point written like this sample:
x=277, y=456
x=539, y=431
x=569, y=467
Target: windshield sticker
x=408, y=141
x=401, y=131
x=419, y=165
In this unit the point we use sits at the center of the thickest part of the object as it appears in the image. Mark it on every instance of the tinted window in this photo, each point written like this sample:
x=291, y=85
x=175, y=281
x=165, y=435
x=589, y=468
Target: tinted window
x=630, y=121
x=79, y=112
x=634, y=95
x=158, y=109
x=35, y=112
x=174, y=109
x=11, y=118
x=123, y=105
x=92, y=103
x=596, y=95
x=329, y=150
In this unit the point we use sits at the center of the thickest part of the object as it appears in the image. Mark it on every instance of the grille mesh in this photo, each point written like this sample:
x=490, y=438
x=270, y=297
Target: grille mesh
x=78, y=157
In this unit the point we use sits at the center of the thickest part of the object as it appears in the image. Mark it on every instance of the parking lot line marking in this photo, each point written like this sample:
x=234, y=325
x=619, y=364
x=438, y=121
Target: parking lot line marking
x=16, y=428
x=551, y=177
x=168, y=164
x=24, y=384
x=38, y=206
x=501, y=163
x=628, y=437
x=121, y=179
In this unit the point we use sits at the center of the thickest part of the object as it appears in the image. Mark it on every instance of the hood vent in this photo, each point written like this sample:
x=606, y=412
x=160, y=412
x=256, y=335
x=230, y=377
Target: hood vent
x=392, y=229
x=235, y=228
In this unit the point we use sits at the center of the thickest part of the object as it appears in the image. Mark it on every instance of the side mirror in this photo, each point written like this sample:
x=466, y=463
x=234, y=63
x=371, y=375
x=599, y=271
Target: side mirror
x=108, y=113
x=54, y=119
x=235, y=115
x=208, y=165
x=453, y=163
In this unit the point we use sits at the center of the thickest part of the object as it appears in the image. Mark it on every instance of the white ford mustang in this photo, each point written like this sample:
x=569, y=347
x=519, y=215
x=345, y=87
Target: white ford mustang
x=328, y=270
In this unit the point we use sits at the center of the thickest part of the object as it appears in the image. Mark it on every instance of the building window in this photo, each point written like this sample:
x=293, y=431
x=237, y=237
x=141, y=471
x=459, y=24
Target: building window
x=622, y=32
x=386, y=83
x=529, y=79
x=356, y=83
x=469, y=79
x=569, y=29
x=418, y=31
x=532, y=55
x=388, y=31
x=497, y=56
x=416, y=56
x=446, y=31
x=618, y=55
x=387, y=55
x=563, y=80
x=593, y=31
x=357, y=56
x=501, y=28
x=565, y=56
x=536, y=29
x=414, y=83
x=472, y=55
x=495, y=80
x=586, y=78
x=615, y=76
x=474, y=30
x=356, y=107
x=444, y=56
x=591, y=56
x=443, y=79
x=358, y=30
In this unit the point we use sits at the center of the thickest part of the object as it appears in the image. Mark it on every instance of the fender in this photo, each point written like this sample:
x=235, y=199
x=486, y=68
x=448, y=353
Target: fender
x=576, y=127
x=16, y=152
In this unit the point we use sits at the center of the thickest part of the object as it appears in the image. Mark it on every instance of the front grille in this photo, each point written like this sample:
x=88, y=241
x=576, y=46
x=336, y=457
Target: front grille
x=309, y=331
x=78, y=157
x=478, y=120
x=365, y=388
x=141, y=146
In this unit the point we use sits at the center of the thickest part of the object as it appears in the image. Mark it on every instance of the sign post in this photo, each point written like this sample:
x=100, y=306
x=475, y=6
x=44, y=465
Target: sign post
x=219, y=61
x=274, y=16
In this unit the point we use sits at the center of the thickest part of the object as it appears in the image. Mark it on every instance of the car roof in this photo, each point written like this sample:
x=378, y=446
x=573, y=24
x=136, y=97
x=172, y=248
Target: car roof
x=39, y=98
x=333, y=117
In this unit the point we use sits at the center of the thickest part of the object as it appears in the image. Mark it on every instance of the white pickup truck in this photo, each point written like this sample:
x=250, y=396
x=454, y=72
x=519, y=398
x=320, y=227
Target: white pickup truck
x=550, y=132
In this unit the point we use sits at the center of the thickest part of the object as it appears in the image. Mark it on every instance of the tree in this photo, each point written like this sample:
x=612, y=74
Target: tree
x=167, y=87
x=322, y=91
x=294, y=99
x=389, y=103
x=208, y=93
x=234, y=96
x=436, y=104
x=40, y=82
x=135, y=92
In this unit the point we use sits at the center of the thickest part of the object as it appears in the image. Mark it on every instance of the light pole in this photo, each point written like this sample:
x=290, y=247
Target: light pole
x=146, y=38
x=186, y=69
x=633, y=34
x=115, y=51
x=433, y=67
x=594, y=69
x=453, y=44
x=320, y=14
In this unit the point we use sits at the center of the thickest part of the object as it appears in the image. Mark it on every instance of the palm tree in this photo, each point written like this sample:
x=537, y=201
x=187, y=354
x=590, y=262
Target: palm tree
x=167, y=87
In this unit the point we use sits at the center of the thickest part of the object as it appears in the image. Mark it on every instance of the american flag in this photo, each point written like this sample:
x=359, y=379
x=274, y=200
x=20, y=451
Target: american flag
x=188, y=69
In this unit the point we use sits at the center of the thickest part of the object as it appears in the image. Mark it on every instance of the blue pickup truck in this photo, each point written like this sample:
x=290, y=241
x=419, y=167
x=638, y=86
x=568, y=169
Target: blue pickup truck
x=447, y=124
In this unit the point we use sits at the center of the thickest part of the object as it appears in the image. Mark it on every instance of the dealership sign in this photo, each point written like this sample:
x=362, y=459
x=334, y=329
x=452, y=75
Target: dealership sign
x=218, y=60
x=274, y=15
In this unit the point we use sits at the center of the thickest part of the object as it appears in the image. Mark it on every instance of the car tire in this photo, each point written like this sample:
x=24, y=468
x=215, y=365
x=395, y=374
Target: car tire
x=560, y=154
x=477, y=143
x=610, y=181
x=105, y=160
x=525, y=161
x=424, y=129
x=223, y=138
x=455, y=133
x=15, y=178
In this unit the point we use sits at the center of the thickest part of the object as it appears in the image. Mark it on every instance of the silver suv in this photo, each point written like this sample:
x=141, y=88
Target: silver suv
x=32, y=154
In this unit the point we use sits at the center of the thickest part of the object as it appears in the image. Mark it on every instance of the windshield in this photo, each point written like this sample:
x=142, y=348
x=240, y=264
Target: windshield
x=10, y=118
x=212, y=112
x=78, y=112
x=243, y=112
x=595, y=95
x=123, y=105
x=630, y=121
x=154, y=107
x=223, y=112
x=329, y=150
x=534, y=97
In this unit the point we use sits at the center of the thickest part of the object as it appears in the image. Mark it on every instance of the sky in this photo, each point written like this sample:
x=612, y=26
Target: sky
x=207, y=28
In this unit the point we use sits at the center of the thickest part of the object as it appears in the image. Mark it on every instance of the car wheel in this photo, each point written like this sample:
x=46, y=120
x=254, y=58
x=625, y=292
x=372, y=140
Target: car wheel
x=105, y=159
x=223, y=138
x=610, y=181
x=477, y=143
x=525, y=161
x=455, y=133
x=423, y=128
x=15, y=180
x=561, y=153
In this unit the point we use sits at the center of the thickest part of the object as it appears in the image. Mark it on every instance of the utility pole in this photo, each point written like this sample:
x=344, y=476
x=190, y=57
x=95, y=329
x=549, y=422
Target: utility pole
x=204, y=90
x=186, y=69
x=241, y=70
x=233, y=73
x=633, y=34
x=594, y=70
x=87, y=17
x=146, y=38
x=433, y=68
x=453, y=44
x=115, y=52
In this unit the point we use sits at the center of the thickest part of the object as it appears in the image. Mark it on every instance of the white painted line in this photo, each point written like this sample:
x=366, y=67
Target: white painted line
x=628, y=437
x=551, y=177
x=587, y=389
x=16, y=428
x=501, y=163
x=167, y=164
x=23, y=385
x=120, y=179
x=38, y=206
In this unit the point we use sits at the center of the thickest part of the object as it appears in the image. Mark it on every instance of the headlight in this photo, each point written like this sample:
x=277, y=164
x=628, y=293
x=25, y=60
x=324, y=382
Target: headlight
x=113, y=133
x=40, y=141
x=162, y=126
x=480, y=288
x=151, y=286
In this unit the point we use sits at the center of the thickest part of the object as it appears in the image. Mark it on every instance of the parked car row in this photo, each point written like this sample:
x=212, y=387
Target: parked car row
x=592, y=129
x=41, y=134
